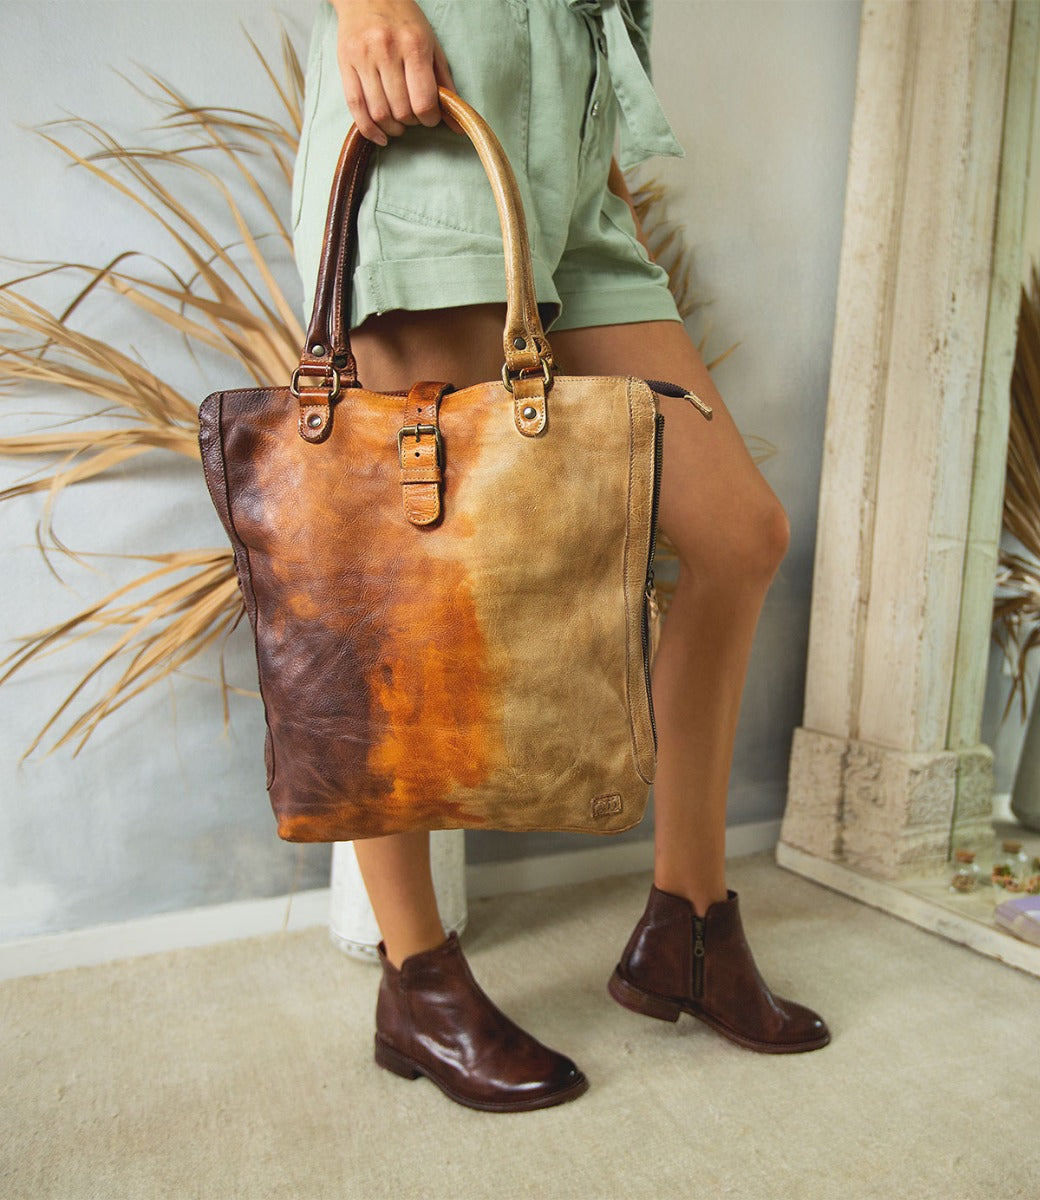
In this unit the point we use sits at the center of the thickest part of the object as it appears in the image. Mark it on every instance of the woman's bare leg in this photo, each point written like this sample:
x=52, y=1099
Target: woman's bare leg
x=731, y=533
x=396, y=871
x=459, y=346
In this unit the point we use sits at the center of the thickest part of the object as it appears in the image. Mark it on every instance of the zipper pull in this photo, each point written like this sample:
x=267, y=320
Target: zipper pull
x=679, y=393
x=706, y=411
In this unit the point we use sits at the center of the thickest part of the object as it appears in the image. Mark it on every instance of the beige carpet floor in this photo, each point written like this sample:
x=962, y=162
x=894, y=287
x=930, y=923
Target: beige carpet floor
x=244, y=1070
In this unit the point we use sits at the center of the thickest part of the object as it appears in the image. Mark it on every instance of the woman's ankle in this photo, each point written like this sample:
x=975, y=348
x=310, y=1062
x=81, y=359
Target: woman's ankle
x=403, y=943
x=701, y=894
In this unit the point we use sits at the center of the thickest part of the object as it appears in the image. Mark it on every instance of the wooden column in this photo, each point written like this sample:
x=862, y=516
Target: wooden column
x=888, y=752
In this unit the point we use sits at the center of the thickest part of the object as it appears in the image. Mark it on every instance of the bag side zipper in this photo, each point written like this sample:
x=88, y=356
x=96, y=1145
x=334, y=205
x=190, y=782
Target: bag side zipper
x=648, y=586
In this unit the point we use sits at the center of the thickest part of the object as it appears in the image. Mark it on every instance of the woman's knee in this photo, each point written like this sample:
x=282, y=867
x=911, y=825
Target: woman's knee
x=774, y=536
x=742, y=548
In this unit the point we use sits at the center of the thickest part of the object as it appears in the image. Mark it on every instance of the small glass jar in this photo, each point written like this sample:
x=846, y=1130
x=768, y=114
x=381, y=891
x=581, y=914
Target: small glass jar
x=967, y=877
x=1011, y=866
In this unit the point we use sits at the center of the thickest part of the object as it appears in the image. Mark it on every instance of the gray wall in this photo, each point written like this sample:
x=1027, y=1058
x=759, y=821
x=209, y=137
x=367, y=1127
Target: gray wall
x=164, y=809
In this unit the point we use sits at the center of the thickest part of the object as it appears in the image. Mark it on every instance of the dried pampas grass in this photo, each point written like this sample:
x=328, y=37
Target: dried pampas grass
x=229, y=301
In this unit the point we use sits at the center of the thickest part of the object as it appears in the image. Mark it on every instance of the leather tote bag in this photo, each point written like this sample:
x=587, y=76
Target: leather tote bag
x=449, y=589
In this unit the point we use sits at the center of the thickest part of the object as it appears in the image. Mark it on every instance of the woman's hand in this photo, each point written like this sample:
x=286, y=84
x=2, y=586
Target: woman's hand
x=391, y=63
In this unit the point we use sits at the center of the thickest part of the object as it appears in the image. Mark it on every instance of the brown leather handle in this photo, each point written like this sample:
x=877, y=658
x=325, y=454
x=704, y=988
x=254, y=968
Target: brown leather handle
x=327, y=358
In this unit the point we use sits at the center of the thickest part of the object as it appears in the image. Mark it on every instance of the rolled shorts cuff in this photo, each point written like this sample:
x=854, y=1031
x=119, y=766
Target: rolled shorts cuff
x=616, y=306
x=479, y=279
x=429, y=283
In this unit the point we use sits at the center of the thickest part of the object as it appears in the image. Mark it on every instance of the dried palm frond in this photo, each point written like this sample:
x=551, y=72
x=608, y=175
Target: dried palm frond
x=225, y=300
x=1016, y=610
x=665, y=243
x=195, y=602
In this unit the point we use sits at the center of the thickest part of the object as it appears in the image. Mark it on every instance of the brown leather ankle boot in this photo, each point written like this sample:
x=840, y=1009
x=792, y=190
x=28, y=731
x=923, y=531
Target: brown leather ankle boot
x=678, y=962
x=433, y=1019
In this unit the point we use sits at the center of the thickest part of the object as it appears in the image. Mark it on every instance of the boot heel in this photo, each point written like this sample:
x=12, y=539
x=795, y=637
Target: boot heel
x=387, y=1057
x=641, y=1002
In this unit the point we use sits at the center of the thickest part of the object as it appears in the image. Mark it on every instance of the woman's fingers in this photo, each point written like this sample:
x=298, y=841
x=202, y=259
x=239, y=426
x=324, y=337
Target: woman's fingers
x=421, y=87
x=375, y=82
x=357, y=102
x=441, y=70
x=391, y=63
x=355, y=96
x=442, y=78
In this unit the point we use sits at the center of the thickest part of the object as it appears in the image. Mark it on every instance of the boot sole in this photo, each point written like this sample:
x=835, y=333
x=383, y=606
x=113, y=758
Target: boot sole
x=409, y=1068
x=646, y=1004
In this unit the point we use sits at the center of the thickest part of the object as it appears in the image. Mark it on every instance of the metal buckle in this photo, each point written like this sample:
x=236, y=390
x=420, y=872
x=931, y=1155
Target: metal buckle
x=313, y=369
x=417, y=431
x=507, y=379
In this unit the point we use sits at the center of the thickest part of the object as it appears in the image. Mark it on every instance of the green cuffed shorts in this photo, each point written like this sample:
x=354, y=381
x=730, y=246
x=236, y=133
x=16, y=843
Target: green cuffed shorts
x=428, y=230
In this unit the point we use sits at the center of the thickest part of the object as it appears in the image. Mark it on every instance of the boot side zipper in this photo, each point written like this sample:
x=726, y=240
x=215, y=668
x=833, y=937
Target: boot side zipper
x=698, y=957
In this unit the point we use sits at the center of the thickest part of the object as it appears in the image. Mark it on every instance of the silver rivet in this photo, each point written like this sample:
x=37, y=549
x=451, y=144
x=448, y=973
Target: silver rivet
x=318, y=349
x=314, y=420
x=530, y=412
x=519, y=343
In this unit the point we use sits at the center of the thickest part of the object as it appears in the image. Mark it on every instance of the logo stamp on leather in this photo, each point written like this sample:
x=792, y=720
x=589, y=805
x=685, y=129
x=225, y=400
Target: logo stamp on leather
x=606, y=806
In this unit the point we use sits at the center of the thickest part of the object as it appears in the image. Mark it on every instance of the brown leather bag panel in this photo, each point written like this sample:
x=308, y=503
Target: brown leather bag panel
x=355, y=683
x=484, y=671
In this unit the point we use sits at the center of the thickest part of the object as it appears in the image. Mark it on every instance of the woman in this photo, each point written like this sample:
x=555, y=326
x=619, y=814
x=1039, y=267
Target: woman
x=554, y=78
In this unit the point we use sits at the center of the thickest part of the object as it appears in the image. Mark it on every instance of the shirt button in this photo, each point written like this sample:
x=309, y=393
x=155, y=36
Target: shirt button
x=594, y=110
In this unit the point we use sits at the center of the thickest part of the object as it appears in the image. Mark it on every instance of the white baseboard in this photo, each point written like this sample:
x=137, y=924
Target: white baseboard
x=165, y=931
x=191, y=927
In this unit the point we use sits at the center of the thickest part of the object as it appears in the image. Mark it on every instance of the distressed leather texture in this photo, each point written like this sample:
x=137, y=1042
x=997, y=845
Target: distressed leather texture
x=434, y=1019
x=453, y=639
x=485, y=671
x=659, y=976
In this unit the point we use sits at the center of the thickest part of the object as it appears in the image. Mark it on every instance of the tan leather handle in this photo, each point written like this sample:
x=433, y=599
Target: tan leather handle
x=327, y=359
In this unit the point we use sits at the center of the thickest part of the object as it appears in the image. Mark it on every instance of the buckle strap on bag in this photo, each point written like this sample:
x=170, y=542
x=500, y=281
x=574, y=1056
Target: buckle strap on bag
x=420, y=452
x=529, y=403
x=315, y=386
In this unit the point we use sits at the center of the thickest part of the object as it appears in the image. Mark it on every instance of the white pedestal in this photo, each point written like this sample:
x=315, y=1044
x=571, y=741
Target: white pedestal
x=352, y=924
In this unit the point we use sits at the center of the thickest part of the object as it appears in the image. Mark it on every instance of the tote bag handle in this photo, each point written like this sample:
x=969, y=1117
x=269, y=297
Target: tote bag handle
x=326, y=362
